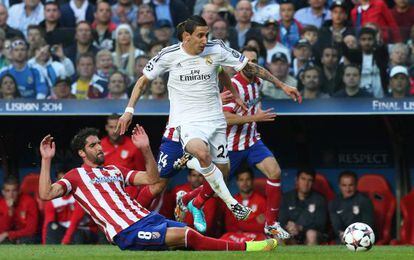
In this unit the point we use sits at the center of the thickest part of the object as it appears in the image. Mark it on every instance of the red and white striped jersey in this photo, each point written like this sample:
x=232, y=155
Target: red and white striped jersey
x=241, y=137
x=100, y=192
x=171, y=133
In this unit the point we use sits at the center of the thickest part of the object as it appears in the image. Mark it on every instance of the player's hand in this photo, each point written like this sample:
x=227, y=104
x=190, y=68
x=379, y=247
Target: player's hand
x=139, y=137
x=291, y=92
x=123, y=123
x=47, y=147
x=226, y=97
x=240, y=103
x=264, y=115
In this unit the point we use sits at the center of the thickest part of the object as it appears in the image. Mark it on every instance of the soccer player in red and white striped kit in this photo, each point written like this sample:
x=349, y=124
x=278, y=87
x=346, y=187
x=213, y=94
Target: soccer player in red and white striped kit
x=100, y=191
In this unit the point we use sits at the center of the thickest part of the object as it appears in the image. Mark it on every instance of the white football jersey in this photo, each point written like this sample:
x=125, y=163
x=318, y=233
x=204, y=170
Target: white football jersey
x=193, y=83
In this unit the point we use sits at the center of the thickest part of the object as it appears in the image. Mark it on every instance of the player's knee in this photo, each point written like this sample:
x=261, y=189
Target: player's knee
x=203, y=157
x=274, y=172
x=311, y=237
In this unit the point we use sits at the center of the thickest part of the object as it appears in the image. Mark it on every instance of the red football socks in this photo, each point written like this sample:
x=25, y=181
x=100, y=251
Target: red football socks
x=206, y=193
x=196, y=241
x=273, y=197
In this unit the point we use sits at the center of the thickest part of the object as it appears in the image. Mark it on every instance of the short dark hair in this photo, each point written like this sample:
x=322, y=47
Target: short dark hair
x=192, y=22
x=180, y=30
x=348, y=174
x=124, y=77
x=250, y=48
x=244, y=169
x=79, y=140
x=307, y=171
x=309, y=28
x=311, y=67
x=367, y=30
x=11, y=180
x=352, y=65
x=86, y=55
x=114, y=116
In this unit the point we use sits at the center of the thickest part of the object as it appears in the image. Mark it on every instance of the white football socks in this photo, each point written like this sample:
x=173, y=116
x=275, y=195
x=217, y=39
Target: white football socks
x=194, y=164
x=214, y=177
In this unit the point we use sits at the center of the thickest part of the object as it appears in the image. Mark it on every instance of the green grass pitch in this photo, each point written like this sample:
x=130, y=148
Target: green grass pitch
x=13, y=252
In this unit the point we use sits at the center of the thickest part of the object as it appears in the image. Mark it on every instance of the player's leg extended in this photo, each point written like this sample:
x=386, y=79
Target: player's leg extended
x=191, y=239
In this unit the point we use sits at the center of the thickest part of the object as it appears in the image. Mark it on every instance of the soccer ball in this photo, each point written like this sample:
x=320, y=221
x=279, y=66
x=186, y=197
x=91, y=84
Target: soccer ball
x=359, y=237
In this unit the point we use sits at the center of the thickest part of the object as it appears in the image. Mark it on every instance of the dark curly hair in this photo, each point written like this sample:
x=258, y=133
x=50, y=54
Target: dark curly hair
x=79, y=140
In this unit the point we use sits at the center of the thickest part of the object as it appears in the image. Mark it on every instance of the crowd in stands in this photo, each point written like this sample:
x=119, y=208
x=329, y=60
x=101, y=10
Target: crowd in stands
x=77, y=49
x=311, y=212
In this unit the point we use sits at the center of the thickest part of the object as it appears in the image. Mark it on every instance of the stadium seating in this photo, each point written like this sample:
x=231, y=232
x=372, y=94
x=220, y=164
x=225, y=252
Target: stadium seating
x=322, y=186
x=407, y=227
x=378, y=190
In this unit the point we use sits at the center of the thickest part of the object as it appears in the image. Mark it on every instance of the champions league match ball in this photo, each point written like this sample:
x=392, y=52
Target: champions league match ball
x=359, y=237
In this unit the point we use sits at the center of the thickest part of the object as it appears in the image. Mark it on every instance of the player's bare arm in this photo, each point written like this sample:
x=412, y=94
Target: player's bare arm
x=141, y=141
x=47, y=190
x=226, y=82
x=126, y=118
x=260, y=116
x=254, y=69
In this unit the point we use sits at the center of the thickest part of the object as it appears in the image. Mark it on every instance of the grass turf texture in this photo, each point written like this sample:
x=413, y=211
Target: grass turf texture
x=14, y=252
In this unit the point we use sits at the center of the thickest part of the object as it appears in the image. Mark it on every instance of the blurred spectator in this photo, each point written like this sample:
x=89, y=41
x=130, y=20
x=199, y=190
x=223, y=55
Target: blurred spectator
x=279, y=67
x=164, y=32
x=310, y=78
x=10, y=32
x=8, y=87
x=3, y=59
x=154, y=48
x=251, y=228
x=330, y=75
x=403, y=14
x=302, y=56
x=351, y=80
x=104, y=64
x=103, y=26
x=377, y=12
x=198, y=6
x=7, y=50
x=350, y=206
x=374, y=61
x=125, y=51
x=117, y=86
x=173, y=10
x=62, y=89
x=19, y=216
x=290, y=28
x=225, y=11
x=264, y=10
x=124, y=11
x=220, y=31
x=303, y=212
x=257, y=43
x=24, y=14
x=351, y=41
x=399, y=82
x=50, y=69
x=270, y=33
x=334, y=30
x=82, y=44
x=35, y=35
x=244, y=28
x=210, y=14
x=310, y=33
x=30, y=82
x=316, y=14
x=140, y=63
x=399, y=55
x=158, y=89
x=88, y=84
x=54, y=32
x=76, y=11
x=144, y=32
x=119, y=149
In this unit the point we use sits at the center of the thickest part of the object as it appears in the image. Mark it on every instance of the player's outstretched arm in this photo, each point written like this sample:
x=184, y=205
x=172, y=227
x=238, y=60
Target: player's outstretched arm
x=263, y=73
x=47, y=191
x=141, y=141
x=260, y=116
x=126, y=118
x=226, y=82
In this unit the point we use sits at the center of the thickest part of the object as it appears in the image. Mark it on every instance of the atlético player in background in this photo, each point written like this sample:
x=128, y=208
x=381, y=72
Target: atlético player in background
x=100, y=191
x=244, y=143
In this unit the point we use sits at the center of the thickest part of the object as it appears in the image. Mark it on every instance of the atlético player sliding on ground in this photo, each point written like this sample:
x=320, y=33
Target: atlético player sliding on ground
x=100, y=192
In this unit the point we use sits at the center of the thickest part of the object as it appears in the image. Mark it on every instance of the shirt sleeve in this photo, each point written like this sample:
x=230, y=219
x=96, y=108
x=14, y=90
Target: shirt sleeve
x=156, y=66
x=66, y=183
x=231, y=57
x=128, y=175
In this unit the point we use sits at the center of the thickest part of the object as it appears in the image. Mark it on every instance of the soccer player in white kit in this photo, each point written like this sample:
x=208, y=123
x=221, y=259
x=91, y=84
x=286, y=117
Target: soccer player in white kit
x=195, y=106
